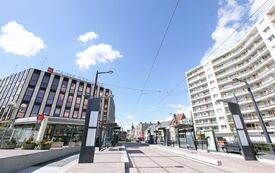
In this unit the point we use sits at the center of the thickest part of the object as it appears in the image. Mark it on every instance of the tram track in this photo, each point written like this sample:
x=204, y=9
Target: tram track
x=165, y=168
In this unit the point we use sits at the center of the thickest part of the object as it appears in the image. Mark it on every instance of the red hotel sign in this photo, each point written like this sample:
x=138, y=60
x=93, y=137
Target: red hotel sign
x=50, y=69
x=40, y=117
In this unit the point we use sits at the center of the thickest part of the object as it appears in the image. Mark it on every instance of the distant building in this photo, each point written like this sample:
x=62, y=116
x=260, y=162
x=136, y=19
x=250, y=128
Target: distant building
x=252, y=59
x=139, y=130
x=62, y=98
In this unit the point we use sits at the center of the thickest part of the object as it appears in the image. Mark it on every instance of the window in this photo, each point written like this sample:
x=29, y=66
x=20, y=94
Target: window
x=66, y=113
x=83, y=115
x=72, y=88
x=45, y=81
x=271, y=37
x=47, y=110
x=221, y=118
x=80, y=89
x=57, y=112
x=22, y=110
x=55, y=84
x=77, y=102
x=50, y=98
x=210, y=76
x=34, y=79
x=28, y=94
x=35, y=110
x=88, y=89
x=64, y=85
x=223, y=126
x=213, y=89
x=60, y=99
x=266, y=29
x=69, y=101
x=75, y=114
x=85, y=104
x=40, y=96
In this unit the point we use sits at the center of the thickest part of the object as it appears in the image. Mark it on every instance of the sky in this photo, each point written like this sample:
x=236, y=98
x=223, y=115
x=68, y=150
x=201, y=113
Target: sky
x=81, y=37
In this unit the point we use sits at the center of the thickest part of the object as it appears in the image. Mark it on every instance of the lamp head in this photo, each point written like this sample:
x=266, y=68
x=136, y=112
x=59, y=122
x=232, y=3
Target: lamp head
x=110, y=72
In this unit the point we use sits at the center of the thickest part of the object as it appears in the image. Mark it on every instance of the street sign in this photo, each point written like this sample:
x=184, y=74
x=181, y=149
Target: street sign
x=89, y=135
x=245, y=143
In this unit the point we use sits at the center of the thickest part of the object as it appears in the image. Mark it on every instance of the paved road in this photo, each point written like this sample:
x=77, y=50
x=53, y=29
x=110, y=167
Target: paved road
x=149, y=160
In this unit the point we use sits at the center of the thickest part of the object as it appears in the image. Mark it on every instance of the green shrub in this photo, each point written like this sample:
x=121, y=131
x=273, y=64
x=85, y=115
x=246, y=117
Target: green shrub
x=46, y=141
x=12, y=141
x=30, y=141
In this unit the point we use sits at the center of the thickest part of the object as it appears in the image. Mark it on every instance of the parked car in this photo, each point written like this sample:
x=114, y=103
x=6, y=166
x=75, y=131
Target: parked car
x=232, y=146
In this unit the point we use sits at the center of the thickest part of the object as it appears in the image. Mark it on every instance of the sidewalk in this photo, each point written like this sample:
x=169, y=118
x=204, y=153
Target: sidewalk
x=111, y=160
x=229, y=162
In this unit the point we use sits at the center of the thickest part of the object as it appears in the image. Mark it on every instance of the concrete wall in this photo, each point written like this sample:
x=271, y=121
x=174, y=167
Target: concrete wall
x=17, y=163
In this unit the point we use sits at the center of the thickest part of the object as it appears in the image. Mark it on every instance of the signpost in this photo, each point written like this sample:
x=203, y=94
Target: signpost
x=87, y=151
x=245, y=143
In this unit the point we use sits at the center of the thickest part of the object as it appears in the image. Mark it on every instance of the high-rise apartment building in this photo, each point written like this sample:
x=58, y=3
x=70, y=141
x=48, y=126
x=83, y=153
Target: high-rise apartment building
x=251, y=59
x=62, y=98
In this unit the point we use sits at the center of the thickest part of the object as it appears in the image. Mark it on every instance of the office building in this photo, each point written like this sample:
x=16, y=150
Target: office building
x=62, y=99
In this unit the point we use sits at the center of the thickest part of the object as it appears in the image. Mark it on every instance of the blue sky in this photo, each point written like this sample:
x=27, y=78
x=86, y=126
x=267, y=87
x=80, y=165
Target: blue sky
x=124, y=37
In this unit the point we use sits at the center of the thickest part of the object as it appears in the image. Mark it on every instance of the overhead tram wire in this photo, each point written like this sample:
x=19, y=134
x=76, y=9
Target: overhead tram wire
x=226, y=39
x=146, y=91
x=158, y=51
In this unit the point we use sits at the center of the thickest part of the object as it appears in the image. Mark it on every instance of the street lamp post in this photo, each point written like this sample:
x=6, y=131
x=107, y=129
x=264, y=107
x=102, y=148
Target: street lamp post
x=268, y=140
x=91, y=125
x=93, y=96
x=97, y=73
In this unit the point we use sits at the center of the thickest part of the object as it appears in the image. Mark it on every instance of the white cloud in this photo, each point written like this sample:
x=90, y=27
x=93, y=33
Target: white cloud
x=95, y=54
x=87, y=37
x=230, y=17
x=130, y=117
x=154, y=107
x=17, y=40
x=180, y=108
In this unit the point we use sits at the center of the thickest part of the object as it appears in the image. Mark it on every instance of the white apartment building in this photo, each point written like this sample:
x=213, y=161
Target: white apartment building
x=251, y=59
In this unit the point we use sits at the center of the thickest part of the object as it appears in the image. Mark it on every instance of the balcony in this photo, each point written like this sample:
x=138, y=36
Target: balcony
x=202, y=103
x=200, y=96
x=204, y=117
x=243, y=65
x=238, y=59
x=257, y=76
x=243, y=44
x=201, y=89
x=197, y=84
x=193, y=80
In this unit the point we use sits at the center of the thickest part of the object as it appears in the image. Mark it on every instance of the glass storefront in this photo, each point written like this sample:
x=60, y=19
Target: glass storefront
x=66, y=132
x=24, y=132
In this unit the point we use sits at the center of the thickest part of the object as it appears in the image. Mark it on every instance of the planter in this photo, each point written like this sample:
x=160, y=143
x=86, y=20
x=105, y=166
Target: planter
x=8, y=146
x=28, y=146
x=57, y=144
x=74, y=144
x=45, y=146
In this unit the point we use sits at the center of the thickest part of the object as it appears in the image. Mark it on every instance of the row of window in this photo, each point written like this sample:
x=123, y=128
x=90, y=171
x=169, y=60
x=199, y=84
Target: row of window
x=38, y=100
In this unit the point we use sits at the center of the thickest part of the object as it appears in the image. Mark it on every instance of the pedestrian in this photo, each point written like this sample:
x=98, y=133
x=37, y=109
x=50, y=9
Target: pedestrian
x=207, y=143
x=113, y=143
